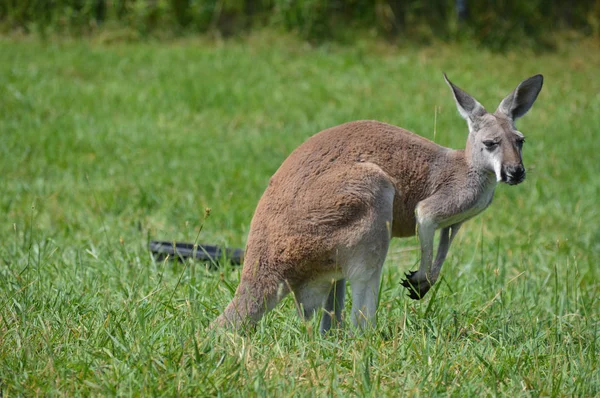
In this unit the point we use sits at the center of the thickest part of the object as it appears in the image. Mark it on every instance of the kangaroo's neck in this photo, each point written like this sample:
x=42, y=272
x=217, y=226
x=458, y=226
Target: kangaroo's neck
x=475, y=177
x=471, y=189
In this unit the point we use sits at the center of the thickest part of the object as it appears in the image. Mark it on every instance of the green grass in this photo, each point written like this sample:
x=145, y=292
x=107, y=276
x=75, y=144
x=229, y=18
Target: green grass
x=104, y=147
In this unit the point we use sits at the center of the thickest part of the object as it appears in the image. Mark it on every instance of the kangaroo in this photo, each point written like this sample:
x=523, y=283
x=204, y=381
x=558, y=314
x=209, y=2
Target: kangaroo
x=332, y=207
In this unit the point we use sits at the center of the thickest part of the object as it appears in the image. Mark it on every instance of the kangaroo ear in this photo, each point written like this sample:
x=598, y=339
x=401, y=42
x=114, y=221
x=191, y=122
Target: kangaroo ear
x=468, y=107
x=517, y=103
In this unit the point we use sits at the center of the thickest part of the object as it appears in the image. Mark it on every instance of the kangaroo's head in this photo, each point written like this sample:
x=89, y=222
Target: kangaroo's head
x=494, y=144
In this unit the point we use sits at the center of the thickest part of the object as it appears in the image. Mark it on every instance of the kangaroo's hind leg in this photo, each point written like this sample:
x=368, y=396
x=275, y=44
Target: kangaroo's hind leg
x=365, y=295
x=364, y=259
x=332, y=314
x=311, y=296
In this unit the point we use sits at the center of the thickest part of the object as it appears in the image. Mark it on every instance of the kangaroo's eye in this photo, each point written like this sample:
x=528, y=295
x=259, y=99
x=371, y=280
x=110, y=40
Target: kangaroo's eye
x=489, y=144
x=520, y=141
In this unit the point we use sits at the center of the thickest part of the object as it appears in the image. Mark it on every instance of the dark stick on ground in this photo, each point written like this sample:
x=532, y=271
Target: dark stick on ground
x=202, y=252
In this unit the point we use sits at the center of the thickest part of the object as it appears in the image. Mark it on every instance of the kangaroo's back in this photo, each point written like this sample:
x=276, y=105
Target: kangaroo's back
x=410, y=161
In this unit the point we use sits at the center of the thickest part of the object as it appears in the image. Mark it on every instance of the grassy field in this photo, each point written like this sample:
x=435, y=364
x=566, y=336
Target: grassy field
x=104, y=147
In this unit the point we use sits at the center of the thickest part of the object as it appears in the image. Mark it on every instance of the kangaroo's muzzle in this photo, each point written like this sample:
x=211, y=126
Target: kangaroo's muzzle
x=513, y=175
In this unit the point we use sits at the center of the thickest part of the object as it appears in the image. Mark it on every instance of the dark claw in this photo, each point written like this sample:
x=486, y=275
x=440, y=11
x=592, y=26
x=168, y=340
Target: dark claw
x=416, y=290
x=410, y=274
x=418, y=294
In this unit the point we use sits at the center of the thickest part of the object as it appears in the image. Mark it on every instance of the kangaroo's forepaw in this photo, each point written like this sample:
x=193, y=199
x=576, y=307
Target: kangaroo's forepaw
x=416, y=289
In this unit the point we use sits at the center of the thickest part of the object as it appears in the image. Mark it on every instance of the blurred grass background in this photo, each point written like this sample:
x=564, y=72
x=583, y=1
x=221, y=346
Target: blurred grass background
x=496, y=25
x=113, y=135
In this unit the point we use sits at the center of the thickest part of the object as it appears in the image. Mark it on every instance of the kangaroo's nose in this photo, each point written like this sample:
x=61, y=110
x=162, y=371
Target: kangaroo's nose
x=513, y=175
